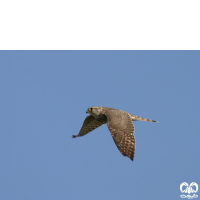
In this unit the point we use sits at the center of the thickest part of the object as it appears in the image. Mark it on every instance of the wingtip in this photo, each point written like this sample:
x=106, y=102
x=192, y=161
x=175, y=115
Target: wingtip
x=132, y=158
x=74, y=136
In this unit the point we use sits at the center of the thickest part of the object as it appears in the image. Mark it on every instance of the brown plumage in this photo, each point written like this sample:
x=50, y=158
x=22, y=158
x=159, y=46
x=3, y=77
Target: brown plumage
x=119, y=123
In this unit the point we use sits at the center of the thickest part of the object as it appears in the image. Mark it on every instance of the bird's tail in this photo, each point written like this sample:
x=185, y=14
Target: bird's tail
x=135, y=118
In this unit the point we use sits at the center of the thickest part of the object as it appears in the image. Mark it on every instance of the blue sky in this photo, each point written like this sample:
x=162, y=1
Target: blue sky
x=44, y=97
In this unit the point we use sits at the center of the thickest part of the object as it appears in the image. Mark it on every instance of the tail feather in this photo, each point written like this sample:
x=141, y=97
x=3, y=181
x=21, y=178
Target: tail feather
x=135, y=118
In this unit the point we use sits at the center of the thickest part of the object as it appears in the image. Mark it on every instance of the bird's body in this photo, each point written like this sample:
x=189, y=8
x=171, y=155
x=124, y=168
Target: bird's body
x=119, y=123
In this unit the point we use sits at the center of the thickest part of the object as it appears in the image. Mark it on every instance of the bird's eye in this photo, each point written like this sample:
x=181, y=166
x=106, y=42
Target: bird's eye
x=91, y=109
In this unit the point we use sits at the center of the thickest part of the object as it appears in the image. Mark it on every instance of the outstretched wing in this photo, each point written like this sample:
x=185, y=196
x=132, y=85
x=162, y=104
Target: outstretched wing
x=90, y=124
x=122, y=129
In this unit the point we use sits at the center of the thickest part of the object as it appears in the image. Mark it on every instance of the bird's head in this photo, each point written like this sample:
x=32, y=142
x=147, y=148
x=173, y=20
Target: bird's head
x=94, y=110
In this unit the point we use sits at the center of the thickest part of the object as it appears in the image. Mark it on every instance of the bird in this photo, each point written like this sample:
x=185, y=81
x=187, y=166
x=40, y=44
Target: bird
x=119, y=123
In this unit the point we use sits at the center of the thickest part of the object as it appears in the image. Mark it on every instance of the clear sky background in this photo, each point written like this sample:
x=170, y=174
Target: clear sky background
x=44, y=97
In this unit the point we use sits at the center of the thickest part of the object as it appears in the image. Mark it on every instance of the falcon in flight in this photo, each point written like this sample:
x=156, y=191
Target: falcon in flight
x=119, y=123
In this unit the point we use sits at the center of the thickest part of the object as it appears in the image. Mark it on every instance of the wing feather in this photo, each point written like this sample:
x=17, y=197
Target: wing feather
x=90, y=124
x=122, y=129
